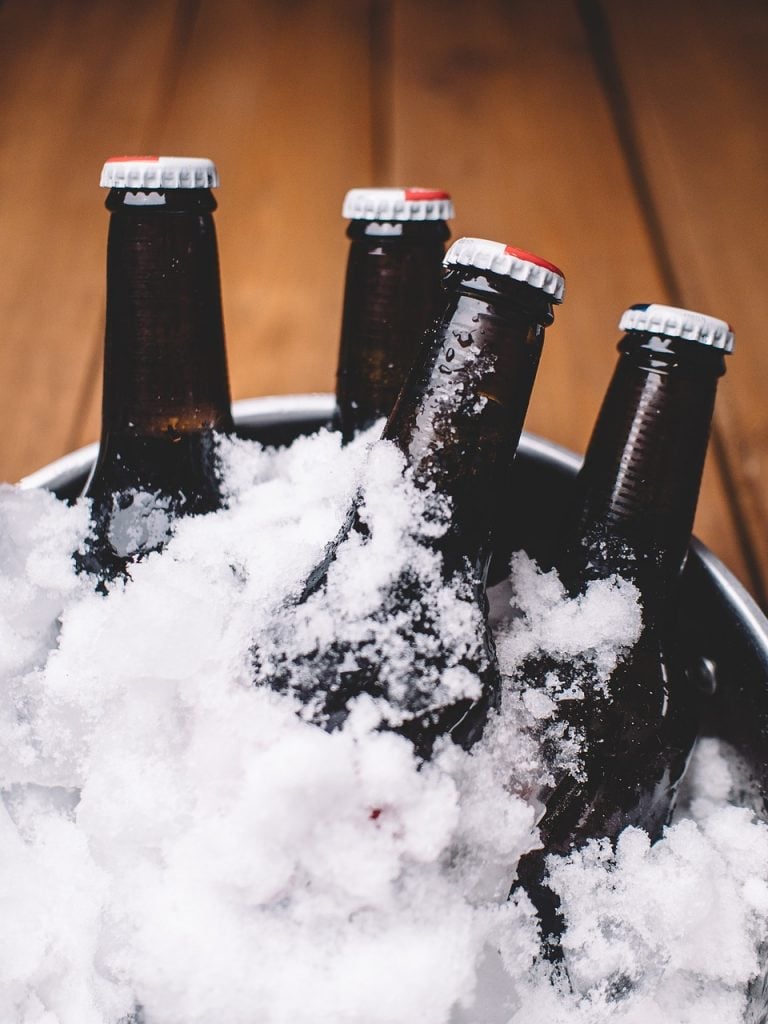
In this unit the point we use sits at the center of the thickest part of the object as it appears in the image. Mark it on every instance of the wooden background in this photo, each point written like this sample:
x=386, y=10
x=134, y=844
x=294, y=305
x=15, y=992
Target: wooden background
x=625, y=140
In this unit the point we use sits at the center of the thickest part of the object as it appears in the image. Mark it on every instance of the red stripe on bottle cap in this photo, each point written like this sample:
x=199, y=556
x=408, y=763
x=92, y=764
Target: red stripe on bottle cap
x=531, y=258
x=419, y=194
x=131, y=159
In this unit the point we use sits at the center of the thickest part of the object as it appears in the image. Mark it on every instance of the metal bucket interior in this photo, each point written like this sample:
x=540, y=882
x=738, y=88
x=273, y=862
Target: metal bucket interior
x=720, y=622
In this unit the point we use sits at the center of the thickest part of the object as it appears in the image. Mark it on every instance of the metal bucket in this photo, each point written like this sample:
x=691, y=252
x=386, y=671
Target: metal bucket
x=724, y=629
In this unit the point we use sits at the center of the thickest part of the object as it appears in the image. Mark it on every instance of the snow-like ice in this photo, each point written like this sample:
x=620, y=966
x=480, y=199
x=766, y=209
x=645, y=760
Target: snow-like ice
x=177, y=838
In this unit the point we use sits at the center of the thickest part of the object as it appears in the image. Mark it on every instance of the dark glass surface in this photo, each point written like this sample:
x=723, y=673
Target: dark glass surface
x=460, y=414
x=165, y=393
x=392, y=295
x=638, y=488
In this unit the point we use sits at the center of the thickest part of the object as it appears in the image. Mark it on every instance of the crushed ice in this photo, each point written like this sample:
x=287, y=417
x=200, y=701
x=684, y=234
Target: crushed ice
x=177, y=838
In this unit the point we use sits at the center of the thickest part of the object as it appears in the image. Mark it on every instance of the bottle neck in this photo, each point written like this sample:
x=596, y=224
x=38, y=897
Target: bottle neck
x=164, y=362
x=460, y=414
x=640, y=481
x=392, y=295
x=165, y=373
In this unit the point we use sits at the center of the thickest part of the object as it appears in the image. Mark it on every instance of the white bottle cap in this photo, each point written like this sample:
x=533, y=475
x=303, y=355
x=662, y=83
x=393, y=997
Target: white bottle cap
x=380, y=204
x=678, y=323
x=144, y=172
x=508, y=261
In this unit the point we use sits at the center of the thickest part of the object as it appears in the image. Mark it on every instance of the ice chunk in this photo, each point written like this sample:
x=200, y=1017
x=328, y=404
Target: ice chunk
x=175, y=838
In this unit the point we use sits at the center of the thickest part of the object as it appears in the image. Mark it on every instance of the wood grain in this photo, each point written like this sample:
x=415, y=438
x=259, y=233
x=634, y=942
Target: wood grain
x=697, y=93
x=79, y=80
x=507, y=108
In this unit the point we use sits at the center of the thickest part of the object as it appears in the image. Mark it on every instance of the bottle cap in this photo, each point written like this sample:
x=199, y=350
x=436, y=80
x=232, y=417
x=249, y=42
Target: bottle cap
x=508, y=261
x=653, y=318
x=159, y=172
x=397, y=204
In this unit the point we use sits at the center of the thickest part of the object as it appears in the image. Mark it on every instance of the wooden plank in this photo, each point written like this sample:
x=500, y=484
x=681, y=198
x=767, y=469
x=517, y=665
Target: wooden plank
x=278, y=95
x=504, y=106
x=298, y=102
x=697, y=92
x=78, y=80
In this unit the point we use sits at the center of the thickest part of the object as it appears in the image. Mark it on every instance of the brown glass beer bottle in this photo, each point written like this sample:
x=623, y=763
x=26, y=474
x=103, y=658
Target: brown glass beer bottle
x=636, y=497
x=458, y=421
x=166, y=394
x=392, y=295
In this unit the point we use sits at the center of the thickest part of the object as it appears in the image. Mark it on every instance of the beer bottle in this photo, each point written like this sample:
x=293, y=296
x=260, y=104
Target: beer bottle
x=392, y=295
x=457, y=421
x=166, y=394
x=635, y=502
